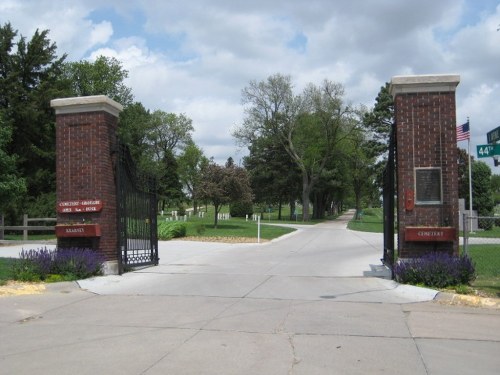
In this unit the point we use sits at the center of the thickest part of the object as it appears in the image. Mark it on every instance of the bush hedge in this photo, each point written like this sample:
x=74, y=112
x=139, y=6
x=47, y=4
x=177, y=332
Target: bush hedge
x=171, y=229
x=438, y=270
x=70, y=263
x=241, y=209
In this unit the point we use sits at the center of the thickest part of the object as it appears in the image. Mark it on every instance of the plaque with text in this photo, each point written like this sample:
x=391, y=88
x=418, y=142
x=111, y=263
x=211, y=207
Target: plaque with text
x=428, y=185
x=77, y=206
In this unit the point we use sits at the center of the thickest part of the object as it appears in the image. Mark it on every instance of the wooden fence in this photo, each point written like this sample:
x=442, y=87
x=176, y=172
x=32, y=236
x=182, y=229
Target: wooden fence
x=26, y=227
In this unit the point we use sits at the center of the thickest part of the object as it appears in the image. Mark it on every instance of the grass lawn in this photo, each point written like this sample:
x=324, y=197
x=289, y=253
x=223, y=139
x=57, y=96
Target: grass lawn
x=31, y=237
x=235, y=227
x=371, y=221
x=487, y=261
x=5, y=269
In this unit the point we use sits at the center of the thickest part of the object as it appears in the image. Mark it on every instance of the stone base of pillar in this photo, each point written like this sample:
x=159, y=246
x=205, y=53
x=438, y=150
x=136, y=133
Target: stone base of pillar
x=110, y=267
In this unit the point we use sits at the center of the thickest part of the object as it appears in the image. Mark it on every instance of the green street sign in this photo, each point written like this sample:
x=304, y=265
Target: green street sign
x=493, y=135
x=485, y=151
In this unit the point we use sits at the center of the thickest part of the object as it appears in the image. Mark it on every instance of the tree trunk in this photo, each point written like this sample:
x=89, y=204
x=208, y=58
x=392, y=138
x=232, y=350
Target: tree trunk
x=195, y=207
x=306, y=191
x=292, y=210
x=216, y=218
x=279, y=209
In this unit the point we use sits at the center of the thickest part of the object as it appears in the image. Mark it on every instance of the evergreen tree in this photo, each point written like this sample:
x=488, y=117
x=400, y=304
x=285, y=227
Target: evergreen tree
x=30, y=76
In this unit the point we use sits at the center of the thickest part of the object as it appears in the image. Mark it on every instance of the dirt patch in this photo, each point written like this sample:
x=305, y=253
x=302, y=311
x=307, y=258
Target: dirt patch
x=222, y=239
x=15, y=288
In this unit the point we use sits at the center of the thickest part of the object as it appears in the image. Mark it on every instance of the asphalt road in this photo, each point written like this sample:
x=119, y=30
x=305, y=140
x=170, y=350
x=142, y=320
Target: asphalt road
x=305, y=304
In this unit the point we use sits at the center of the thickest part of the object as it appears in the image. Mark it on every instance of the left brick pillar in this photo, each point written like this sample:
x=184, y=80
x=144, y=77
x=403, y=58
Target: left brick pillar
x=86, y=144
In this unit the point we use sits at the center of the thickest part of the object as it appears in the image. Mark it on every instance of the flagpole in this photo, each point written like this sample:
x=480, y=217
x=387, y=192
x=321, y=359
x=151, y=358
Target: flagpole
x=470, y=181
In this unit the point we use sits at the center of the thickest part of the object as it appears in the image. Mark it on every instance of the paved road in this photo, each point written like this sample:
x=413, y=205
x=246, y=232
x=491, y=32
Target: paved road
x=305, y=304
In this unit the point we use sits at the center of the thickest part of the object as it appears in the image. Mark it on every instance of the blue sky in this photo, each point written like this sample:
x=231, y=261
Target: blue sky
x=195, y=57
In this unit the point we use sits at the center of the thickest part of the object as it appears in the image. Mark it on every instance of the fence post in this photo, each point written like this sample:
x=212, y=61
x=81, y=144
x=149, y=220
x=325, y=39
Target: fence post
x=465, y=231
x=25, y=224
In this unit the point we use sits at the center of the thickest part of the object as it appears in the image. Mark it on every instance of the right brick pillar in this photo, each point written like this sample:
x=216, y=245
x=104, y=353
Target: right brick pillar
x=426, y=163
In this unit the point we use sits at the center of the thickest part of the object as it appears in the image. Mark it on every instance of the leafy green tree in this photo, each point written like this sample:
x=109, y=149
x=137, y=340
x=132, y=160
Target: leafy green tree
x=167, y=132
x=223, y=185
x=482, y=197
x=191, y=162
x=309, y=126
x=30, y=76
x=11, y=185
x=482, y=189
x=378, y=122
x=463, y=175
x=360, y=162
x=274, y=176
x=133, y=127
x=104, y=76
x=495, y=187
x=169, y=186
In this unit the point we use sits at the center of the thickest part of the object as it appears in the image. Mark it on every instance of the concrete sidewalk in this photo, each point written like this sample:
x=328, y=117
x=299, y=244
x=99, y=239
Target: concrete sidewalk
x=300, y=305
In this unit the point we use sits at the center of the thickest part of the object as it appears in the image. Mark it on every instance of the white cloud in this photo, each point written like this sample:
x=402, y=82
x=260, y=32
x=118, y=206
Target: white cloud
x=195, y=57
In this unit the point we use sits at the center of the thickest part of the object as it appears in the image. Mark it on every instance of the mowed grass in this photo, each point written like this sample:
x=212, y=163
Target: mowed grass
x=487, y=261
x=31, y=237
x=6, y=269
x=233, y=228
x=371, y=221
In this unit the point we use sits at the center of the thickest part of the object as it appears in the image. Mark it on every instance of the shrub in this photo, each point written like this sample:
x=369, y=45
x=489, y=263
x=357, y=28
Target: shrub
x=42, y=264
x=171, y=229
x=437, y=270
x=81, y=263
x=32, y=265
x=241, y=209
x=200, y=228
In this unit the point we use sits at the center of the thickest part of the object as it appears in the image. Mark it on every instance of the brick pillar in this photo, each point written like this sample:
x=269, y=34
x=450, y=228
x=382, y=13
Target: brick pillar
x=427, y=169
x=86, y=144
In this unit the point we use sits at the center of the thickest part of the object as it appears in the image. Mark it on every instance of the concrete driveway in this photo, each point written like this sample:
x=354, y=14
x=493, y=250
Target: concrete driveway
x=305, y=304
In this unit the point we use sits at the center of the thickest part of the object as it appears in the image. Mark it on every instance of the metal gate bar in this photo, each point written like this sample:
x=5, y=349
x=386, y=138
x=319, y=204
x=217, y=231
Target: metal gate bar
x=137, y=214
x=388, y=202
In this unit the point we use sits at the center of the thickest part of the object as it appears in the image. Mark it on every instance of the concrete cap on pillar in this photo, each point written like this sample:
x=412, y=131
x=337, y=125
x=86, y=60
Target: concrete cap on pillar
x=423, y=83
x=86, y=104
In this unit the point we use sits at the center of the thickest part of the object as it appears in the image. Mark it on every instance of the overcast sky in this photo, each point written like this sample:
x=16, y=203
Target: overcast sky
x=195, y=57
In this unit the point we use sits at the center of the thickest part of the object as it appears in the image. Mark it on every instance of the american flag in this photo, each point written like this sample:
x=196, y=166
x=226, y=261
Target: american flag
x=463, y=132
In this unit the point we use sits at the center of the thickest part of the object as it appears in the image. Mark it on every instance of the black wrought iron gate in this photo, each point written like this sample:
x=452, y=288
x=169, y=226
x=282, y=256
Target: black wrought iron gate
x=388, y=201
x=137, y=215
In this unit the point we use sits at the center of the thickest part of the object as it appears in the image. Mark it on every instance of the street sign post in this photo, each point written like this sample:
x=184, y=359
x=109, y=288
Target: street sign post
x=485, y=151
x=493, y=136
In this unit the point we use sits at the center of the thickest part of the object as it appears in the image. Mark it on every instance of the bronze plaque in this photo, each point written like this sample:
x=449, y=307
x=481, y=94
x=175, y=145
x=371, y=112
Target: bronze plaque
x=428, y=185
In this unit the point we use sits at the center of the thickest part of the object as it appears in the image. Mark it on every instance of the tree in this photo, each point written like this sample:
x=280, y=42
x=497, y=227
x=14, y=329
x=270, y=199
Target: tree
x=495, y=187
x=482, y=197
x=191, y=162
x=169, y=186
x=104, y=76
x=133, y=126
x=167, y=132
x=463, y=175
x=30, y=76
x=309, y=126
x=482, y=189
x=360, y=161
x=11, y=185
x=274, y=176
x=222, y=185
x=378, y=124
